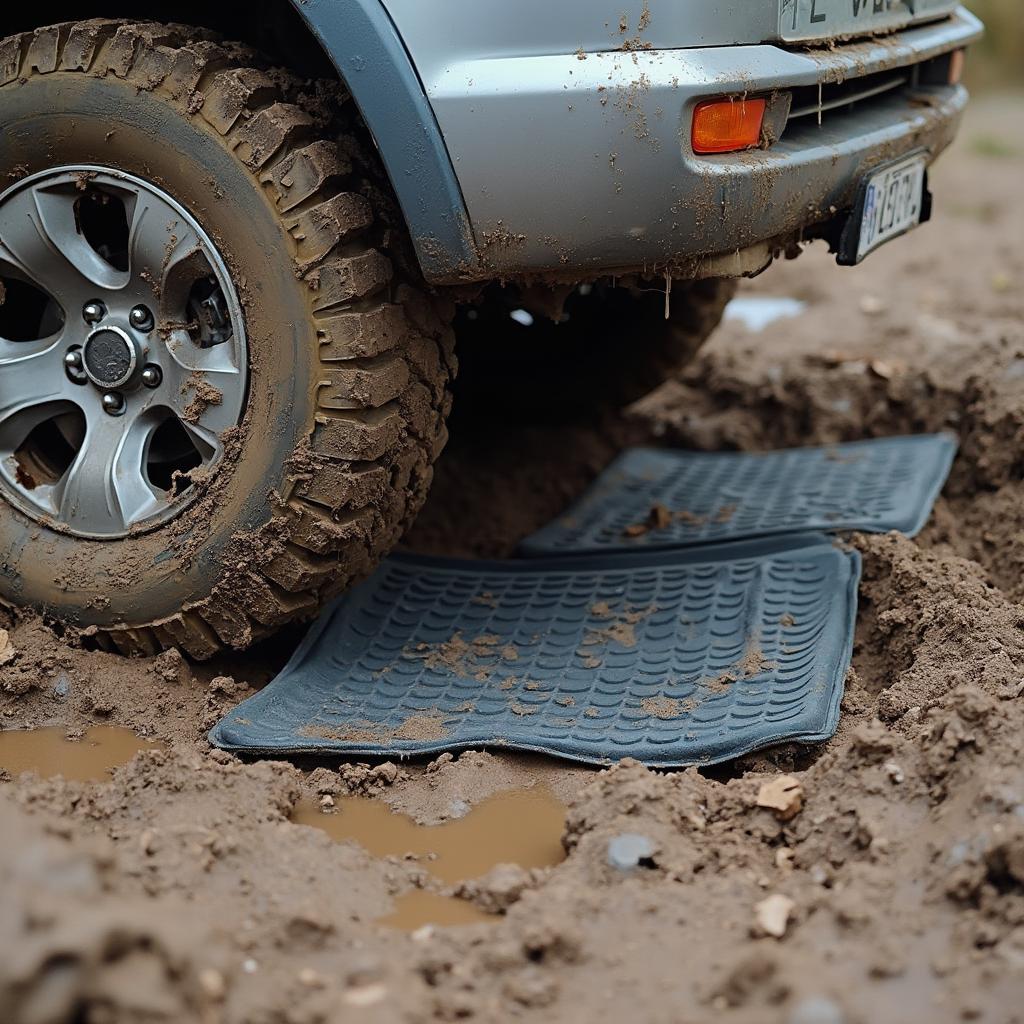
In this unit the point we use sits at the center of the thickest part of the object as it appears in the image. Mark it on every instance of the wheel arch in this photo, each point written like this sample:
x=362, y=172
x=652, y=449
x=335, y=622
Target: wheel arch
x=357, y=40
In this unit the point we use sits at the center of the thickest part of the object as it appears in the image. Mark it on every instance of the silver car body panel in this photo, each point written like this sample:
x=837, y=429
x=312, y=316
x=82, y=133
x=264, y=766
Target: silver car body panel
x=574, y=156
x=441, y=33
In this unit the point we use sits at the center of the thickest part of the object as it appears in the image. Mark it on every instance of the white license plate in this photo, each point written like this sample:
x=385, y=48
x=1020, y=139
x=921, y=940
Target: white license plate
x=893, y=203
x=808, y=20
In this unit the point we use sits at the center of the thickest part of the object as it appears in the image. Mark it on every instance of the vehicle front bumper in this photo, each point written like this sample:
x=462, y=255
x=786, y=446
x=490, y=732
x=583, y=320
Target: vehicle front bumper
x=581, y=164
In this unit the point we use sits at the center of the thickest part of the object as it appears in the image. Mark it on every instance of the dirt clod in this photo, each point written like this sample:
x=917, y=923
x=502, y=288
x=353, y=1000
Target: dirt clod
x=784, y=795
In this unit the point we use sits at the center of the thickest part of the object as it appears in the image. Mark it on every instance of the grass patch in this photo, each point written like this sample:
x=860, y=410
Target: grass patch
x=993, y=146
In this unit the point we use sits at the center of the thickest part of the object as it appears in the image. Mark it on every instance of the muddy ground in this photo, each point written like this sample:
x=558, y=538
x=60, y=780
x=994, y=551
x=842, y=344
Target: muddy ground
x=180, y=890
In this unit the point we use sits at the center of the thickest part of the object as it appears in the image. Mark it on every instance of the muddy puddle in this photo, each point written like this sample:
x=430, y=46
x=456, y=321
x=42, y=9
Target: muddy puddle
x=522, y=827
x=49, y=752
x=756, y=312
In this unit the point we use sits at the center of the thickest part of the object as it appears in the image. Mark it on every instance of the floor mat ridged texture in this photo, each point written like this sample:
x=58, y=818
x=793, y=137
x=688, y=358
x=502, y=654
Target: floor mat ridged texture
x=674, y=658
x=656, y=499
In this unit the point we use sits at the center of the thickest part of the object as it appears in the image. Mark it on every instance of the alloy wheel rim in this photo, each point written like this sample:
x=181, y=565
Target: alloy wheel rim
x=123, y=356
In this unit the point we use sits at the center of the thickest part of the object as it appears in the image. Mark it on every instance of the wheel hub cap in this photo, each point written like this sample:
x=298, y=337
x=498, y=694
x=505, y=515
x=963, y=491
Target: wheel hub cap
x=109, y=357
x=117, y=382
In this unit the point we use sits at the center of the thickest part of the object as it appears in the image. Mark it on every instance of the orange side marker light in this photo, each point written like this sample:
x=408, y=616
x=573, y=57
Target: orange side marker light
x=725, y=126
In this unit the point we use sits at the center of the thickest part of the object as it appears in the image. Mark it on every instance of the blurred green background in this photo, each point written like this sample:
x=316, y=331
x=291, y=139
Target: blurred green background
x=998, y=61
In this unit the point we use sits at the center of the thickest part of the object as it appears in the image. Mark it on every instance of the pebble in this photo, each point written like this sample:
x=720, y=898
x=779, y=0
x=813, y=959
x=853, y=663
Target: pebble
x=784, y=795
x=784, y=858
x=365, y=995
x=773, y=914
x=816, y=1010
x=7, y=651
x=310, y=978
x=626, y=851
x=212, y=983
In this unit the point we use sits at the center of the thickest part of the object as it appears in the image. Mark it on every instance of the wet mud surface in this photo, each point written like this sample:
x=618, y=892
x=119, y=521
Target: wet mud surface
x=881, y=880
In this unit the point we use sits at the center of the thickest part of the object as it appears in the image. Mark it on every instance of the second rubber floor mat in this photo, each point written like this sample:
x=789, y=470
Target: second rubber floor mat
x=652, y=498
x=674, y=659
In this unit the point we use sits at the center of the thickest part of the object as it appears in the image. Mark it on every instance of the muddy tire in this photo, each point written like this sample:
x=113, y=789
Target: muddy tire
x=349, y=357
x=614, y=347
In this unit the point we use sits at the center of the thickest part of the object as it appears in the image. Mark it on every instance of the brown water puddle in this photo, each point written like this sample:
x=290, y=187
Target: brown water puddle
x=48, y=752
x=522, y=826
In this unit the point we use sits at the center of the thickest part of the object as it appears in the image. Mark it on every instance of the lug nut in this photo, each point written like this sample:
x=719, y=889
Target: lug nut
x=141, y=319
x=113, y=403
x=94, y=312
x=73, y=366
x=152, y=376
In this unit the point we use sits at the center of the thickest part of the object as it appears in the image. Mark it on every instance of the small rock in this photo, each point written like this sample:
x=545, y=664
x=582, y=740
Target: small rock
x=886, y=369
x=872, y=305
x=7, y=651
x=61, y=687
x=773, y=914
x=326, y=802
x=784, y=858
x=213, y=984
x=365, y=995
x=629, y=850
x=816, y=1010
x=894, y=771
x=310, y=978
x=784, y=795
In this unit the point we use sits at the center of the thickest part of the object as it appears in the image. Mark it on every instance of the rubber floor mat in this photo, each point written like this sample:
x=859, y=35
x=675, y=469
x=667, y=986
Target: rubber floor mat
x=653, y=499
x=674, y=658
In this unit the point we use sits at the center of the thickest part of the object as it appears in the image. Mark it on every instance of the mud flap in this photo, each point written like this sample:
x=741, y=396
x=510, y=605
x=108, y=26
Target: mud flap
x=652, y=499
x=673, y=658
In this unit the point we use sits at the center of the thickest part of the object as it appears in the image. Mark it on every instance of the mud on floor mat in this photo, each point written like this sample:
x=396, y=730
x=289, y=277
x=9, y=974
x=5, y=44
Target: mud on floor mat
x=673, y=658
x=652, y=498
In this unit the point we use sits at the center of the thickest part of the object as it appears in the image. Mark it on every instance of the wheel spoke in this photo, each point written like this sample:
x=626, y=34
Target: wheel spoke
x=31, y=374
x=159, y=239
x=206, y=441
x=202, y=398
x=219, y=360
x=105, y=489
x=40, y=237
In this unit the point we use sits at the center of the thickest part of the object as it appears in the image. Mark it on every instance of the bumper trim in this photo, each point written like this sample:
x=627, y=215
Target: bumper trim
x=592, y=154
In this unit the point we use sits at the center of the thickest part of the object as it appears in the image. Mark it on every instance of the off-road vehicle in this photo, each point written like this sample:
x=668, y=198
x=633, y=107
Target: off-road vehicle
x=237, y=242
